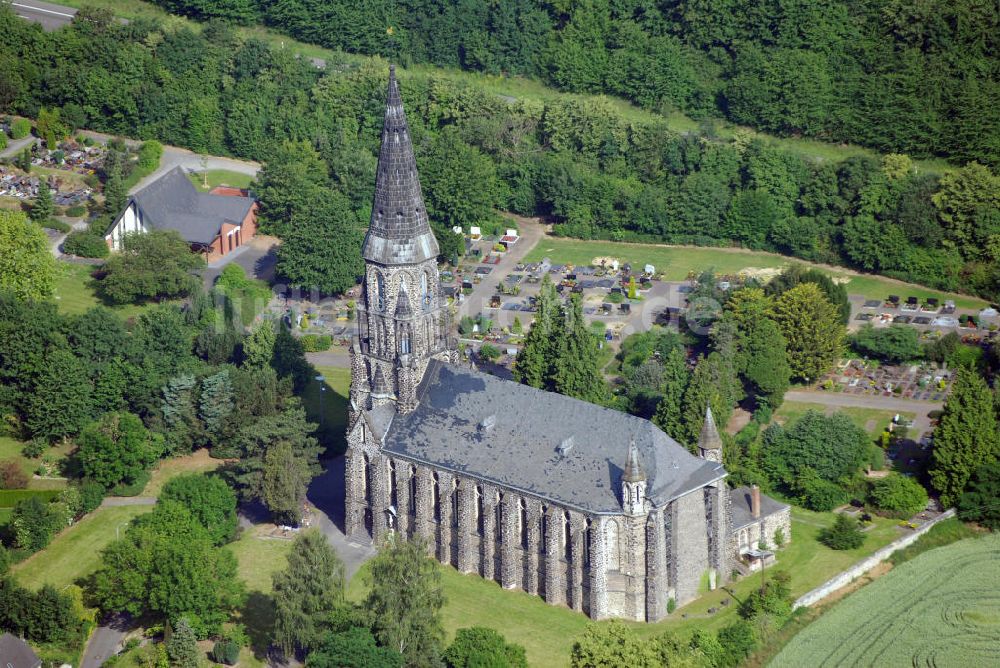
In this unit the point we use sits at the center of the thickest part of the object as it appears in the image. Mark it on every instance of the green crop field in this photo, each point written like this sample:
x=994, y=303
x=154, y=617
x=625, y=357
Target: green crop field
x=940, y=609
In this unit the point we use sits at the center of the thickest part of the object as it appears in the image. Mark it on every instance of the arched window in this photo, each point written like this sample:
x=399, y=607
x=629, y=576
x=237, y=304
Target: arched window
x=404, y=340
x=586, y=543
x=479, y=510
x=436, y=497
x=522, y=520
x=498, y=525
x=567, y=537
x=379, y=291
x=367, y=479
x=412, y=510
x=611, y=536
x=454, y=502
x=544, y=532
x=392, y=485
x=425, y=294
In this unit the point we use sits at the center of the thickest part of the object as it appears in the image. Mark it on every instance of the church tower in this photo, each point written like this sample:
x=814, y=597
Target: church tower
x=401, y=319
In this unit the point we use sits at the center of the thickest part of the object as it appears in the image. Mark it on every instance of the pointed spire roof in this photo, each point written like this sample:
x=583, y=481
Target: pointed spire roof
x=400, y=232
x=633, y=469
x=709, y=439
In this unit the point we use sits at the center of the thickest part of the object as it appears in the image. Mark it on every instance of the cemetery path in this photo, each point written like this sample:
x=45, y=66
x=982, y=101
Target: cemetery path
x=921, y=409
x=530, y=231
x=128, y=501
x=15, y=146
x=335, y=357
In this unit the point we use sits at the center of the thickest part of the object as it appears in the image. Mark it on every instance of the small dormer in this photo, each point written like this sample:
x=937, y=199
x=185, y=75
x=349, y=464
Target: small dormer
x=633, y=484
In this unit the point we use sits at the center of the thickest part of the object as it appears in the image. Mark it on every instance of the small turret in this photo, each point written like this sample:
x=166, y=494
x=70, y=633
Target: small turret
x=709, y=442
x=633, y=483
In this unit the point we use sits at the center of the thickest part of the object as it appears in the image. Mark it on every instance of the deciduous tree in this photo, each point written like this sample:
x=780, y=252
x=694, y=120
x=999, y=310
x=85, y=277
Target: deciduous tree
x=153, y=265
x=812, y=330
x=27, y=267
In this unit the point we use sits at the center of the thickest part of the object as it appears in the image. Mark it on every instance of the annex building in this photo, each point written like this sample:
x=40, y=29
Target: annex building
x=214, y=223
x=586, y=506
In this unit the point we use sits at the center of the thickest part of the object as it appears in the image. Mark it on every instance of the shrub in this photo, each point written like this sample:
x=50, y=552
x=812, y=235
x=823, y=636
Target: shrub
x=85, y=244
x=91, y=496
x=226, y=651
x=843, y=535
x=489, y=352
x=78, y=211
x=737, y=641
x=12, y=475
x=671, y=605
x=316, y=343
x=820, y=495
x=899, y=495
x=56, y=225
x=20, y=128
x=3, y=140
x=34, y=448
x=149, y=155
x=779, y=537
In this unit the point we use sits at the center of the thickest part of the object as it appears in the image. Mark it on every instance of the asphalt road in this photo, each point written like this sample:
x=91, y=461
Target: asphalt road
x=50, y=16
x=921, y=409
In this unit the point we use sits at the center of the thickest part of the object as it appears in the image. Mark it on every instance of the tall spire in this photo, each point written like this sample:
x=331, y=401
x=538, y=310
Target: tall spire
x=633, y=469
x=709, y=442
x=399, y=232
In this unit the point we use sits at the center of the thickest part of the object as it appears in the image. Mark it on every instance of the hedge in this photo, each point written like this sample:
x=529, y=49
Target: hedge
x=20, y=128
x=56, y=225
x=316, y=343
x=10, y=497
x=85, y=244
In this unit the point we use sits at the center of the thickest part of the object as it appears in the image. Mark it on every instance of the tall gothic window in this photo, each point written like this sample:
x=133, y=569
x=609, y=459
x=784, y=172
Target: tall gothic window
x=543, y=538
x=522, y=519
x=425, y=293
x=586, y=543
x=498, y=525
x=404, y=340
x=393, y=501
x=412, y=510
x=567, y=537
x=614, y=561
x=379, y=291
x=479, y=510
x=454, y=502
x=436, y=497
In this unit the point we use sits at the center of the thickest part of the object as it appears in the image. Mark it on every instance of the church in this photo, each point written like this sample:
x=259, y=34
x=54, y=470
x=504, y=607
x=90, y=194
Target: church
x=586, y=506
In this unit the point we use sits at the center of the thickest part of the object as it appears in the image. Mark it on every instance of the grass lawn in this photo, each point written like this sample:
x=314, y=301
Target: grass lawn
x=333, y=417
x=197, y=462
x=676, y=262
x=548, y=632
x=76, y=292
x=10, y=448
x=872, y=420
x=258, y=558
x=219, y=177
x=74, y=553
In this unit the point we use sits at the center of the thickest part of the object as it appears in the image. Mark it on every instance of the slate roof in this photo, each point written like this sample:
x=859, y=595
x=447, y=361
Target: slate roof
x=742, y=516
x=399, y=232
x=173, y=203
x=16, y=653
x=448, y=430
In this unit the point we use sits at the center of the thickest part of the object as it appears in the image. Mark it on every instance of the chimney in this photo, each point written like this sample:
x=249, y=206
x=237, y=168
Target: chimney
x=755, y=501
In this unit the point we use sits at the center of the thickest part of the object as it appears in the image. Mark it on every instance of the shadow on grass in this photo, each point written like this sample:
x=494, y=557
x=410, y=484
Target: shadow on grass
x=258, y=617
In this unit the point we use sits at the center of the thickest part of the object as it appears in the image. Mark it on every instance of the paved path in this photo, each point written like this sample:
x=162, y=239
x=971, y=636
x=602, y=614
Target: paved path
x=50, y=16
x=335, y=357
x=104, y=642
x=921, y=409
x=15, y=146
x=113, y=501
x=530, y=231
x=326, y=493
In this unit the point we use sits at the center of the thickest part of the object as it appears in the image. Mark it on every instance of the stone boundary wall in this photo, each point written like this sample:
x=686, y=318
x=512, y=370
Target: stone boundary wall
x=868, y=563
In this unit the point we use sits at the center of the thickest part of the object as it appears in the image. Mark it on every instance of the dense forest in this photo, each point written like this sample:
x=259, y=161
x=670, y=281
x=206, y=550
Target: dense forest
x=576, y=160
x=913, y=77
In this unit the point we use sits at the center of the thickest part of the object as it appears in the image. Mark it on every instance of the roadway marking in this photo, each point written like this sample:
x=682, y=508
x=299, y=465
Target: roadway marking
x=39, y=9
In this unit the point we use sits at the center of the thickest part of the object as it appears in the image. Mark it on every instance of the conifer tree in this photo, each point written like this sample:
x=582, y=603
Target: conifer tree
x=115, y=193
x=43, y=207
x=535, y=359
x=184, y=430
x=182, y=648
x=714, y=383
x=812, y=329
x=575, y=371
x=966, y=438
x=668, y=416
x=215, y=403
